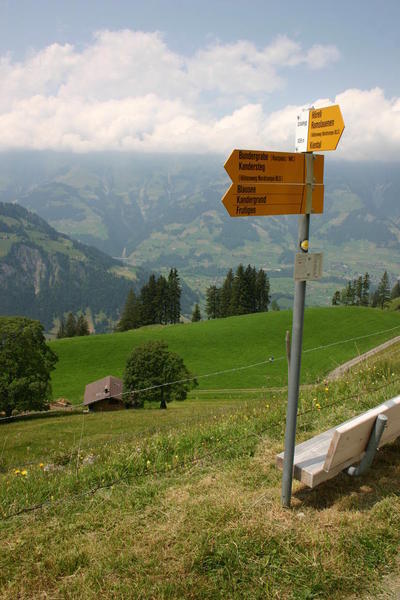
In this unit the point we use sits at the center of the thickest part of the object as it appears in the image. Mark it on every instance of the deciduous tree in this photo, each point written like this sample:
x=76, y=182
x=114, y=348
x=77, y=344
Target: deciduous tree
x=25, y=365
x=160, y=373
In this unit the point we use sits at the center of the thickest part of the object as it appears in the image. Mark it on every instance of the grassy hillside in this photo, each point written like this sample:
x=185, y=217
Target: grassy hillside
x=223, y=344
x=185, y=503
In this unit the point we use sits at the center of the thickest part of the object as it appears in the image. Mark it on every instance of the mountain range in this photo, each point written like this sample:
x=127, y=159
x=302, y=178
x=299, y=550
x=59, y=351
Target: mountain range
x=158, y=211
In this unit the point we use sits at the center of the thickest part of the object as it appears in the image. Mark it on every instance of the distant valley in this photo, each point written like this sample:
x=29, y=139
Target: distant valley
x=158, y=211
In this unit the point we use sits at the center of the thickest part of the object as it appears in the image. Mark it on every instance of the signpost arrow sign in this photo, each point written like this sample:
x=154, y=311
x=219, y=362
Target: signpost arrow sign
x=259, y=166
x=319, y=129
x=272, y=183
x=260, y=200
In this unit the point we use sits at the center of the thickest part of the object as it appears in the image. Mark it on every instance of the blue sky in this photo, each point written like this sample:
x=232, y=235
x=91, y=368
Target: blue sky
x=202, y=69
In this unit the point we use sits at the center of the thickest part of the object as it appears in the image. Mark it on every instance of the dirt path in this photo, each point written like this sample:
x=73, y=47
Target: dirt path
x=354, y=361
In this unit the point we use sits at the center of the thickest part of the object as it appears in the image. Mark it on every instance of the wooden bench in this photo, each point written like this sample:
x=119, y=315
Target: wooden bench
x=330, y=452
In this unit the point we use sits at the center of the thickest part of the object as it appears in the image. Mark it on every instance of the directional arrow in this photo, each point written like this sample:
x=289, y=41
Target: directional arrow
x=259, y=200
x=258, y=166
x=319, y=129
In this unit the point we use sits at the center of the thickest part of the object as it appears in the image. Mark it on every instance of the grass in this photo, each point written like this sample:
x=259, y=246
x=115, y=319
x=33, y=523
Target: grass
x=223, y=344
x=185, y=503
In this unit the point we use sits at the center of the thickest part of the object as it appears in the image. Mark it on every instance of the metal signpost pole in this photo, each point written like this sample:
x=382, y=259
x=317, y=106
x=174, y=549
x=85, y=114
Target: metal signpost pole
x=297, y=338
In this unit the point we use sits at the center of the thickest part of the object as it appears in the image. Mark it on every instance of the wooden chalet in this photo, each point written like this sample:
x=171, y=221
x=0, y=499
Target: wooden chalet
x=104, y=394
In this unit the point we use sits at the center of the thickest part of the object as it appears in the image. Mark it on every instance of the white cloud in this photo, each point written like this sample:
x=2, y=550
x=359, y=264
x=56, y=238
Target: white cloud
x=128, y=91
x=319, y=56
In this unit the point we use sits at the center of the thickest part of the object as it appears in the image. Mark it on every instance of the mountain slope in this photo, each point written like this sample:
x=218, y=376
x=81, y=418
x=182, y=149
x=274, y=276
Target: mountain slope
x=160, y=211
x=44, y=274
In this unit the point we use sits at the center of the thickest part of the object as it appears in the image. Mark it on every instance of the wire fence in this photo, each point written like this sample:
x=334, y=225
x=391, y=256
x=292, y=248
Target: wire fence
x=215, y=373
x=268, y=427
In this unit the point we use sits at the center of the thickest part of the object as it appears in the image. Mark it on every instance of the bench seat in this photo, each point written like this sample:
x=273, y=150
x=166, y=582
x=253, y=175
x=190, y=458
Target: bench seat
x=325, y=455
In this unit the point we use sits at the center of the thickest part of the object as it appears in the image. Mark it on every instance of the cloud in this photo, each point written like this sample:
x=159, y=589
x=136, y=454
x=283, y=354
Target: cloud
x=128, y=91
x=319, y=56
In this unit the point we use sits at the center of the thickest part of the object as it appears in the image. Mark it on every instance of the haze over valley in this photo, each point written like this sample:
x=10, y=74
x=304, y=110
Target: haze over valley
x=158, y=211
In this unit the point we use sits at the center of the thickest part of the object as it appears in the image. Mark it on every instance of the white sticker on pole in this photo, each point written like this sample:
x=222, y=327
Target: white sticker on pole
x=302, y=130
x=307, y=266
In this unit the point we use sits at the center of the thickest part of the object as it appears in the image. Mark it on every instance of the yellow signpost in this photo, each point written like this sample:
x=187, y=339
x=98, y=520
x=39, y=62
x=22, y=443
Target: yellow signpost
x=271, y=183
x=319, y=129
x=261, y=200
x=286, y=183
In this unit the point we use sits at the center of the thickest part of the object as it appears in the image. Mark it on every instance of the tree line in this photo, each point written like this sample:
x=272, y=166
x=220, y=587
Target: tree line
x=246, y=291
x=357, y=292
x=159, y=302
x=73, y=326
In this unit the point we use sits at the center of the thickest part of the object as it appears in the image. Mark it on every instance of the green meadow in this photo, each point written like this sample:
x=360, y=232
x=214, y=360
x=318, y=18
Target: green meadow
x=210, y=347
x=185, y=503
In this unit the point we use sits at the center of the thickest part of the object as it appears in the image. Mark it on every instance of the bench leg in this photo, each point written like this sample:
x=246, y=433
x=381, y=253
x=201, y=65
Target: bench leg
x=372, y=447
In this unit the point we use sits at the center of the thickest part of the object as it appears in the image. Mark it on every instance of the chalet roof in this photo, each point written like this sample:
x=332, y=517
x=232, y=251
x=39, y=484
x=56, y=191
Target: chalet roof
x=108, y=387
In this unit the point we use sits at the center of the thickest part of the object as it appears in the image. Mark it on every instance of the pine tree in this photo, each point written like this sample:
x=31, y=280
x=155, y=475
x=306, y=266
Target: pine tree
x=262, y=291
x=213, y=298
x=238, y=306
x=70, y=325
x=375, y=299
x=174, y=296
x=395, y=293
x=365, y=290
x=148, y=302
x=162, y=300
x=249, y=300
x=336, y=298
x=131, y=314
x=349, y=294
x=196, y=314
x=226, y=295
x=82, y=326
x=358, y=290
x=61, y=329
x=384, y=290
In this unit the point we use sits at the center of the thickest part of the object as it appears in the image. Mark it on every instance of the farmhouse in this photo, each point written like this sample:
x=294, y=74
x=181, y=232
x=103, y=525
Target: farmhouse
x=104, y=394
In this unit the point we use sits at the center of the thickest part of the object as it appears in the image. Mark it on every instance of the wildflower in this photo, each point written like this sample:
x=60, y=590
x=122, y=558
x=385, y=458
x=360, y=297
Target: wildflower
x=41, y=465
x=318, y=406
x=267, y=405
x=148, y=464
x=24, y=472
x=17, y=471
x=327, y=389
